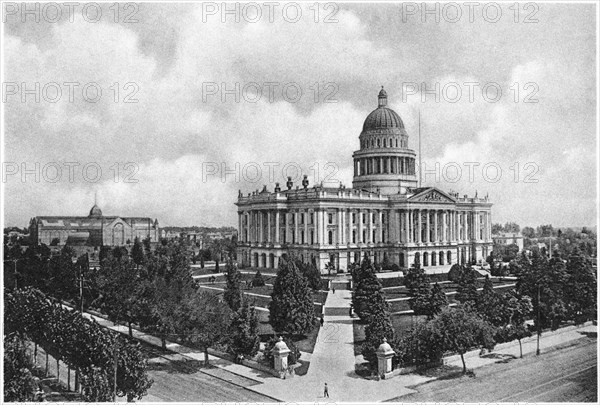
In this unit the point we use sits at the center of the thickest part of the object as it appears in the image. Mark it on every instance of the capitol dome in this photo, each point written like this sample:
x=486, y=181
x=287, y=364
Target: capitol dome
x=382, y=117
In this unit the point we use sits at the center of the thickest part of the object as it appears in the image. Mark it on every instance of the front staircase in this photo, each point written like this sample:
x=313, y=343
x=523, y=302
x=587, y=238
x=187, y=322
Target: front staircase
x=340, y=284
x=338, y=304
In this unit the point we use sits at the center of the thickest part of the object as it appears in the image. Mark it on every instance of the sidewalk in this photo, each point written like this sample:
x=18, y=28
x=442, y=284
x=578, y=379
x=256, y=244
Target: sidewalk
x=333, y=361
x=248, y=376
x=511, y=349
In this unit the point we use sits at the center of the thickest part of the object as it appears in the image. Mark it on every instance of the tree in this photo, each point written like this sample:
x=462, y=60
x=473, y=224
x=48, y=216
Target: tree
x=379, y=326
x=117, y=285
x=497, y=229
x=419, y=289
x=366, y=288
x=512, y=227
x=233, y=291
x=311, y=273
x=467, y=286
x=454, y=273
x=516, y=310
x=258, y=280
x=244, y=331
x=291, y=308
x=438, y=300
x=580, y=288
x=489, y=304
x=543, y=280
x=206, y=320
x=137, y=252
x=528, y=232
x=63, y=275
x=19, y=384
x=82, y=344
x=420, y=345
x=460, y=329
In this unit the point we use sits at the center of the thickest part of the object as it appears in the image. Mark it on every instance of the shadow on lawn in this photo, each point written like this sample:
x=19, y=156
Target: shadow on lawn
x=444, y=372
x=178, y=366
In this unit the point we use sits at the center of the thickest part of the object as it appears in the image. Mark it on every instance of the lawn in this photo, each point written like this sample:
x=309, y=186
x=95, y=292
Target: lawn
x=306, y=344
x=400, y=323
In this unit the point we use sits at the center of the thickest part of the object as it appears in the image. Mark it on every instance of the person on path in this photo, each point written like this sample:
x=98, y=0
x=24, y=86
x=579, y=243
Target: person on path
x=333, y=289
x=326, y=391
x=322, y=320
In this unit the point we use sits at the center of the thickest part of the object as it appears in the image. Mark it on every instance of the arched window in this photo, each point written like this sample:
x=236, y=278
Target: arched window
x=312, y=237
x=378, y=142
x=118, y=235
x=417, y=258
x=391, y=144
x=396, y=143
x=449, y=257
x=433, y=259
x=441, y=258
x=425, y=259
x=330, y=237
x=374, y=240
x=385, y=143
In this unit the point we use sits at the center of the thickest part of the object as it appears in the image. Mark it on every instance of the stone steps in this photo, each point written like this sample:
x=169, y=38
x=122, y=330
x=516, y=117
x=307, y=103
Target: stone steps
x=336, y=311
x=340, y=285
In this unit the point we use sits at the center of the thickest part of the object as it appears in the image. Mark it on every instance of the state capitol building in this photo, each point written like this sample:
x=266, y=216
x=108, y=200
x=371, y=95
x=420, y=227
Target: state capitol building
x=385, y=214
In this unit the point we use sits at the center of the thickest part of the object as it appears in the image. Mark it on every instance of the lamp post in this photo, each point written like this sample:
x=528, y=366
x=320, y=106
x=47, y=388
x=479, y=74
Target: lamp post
x=537, y=352
x=15, y=272
x=115, y=366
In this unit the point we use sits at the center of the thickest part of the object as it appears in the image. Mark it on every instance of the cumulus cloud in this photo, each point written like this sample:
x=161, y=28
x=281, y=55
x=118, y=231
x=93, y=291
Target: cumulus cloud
x=177, y=130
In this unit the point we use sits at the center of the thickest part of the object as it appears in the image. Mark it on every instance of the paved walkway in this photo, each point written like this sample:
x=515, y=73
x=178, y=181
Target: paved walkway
x=333, y=363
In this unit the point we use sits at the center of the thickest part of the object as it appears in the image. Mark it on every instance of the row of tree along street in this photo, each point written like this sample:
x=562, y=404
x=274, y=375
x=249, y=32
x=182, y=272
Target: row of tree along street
x=155, y=291
x=549, y=291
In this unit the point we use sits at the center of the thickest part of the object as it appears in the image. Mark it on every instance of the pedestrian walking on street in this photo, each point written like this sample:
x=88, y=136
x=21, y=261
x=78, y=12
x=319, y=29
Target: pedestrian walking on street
x=333, y=289
x=322, y=320
x=326, y=391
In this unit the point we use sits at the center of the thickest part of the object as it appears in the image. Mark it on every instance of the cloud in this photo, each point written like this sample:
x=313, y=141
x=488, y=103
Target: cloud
x=175, y=127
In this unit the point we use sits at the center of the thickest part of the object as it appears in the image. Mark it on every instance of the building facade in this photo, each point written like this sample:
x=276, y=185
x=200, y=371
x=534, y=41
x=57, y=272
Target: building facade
x=385, y=214
x=509, y=238
x=93, y=230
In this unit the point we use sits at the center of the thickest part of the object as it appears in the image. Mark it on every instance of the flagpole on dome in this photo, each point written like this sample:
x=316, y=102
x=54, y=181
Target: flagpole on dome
x=419, y=147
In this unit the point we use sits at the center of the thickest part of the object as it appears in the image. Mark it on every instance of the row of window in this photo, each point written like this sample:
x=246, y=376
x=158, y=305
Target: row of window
x=384, y=165
x=330, y=218
x=385, y=142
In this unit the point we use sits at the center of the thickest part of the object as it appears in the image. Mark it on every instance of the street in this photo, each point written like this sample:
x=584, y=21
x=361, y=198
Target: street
x=177, y=380
x=568, y=373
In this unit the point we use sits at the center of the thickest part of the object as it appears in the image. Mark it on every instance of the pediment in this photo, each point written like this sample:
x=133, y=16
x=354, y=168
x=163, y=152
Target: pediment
x=432, y=195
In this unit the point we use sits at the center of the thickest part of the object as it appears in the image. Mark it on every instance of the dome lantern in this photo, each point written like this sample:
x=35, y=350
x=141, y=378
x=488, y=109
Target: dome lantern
x=382, y=98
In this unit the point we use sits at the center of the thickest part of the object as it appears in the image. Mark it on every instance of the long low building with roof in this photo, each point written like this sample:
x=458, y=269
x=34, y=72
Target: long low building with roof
x=95, y=229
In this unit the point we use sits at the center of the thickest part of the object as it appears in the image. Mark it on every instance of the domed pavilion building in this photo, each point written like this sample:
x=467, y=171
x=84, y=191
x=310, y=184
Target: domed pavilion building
x=385, y=214
x=93, y=230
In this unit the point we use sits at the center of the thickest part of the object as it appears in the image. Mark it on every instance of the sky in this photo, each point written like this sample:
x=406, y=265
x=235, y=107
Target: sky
x=169, y=110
